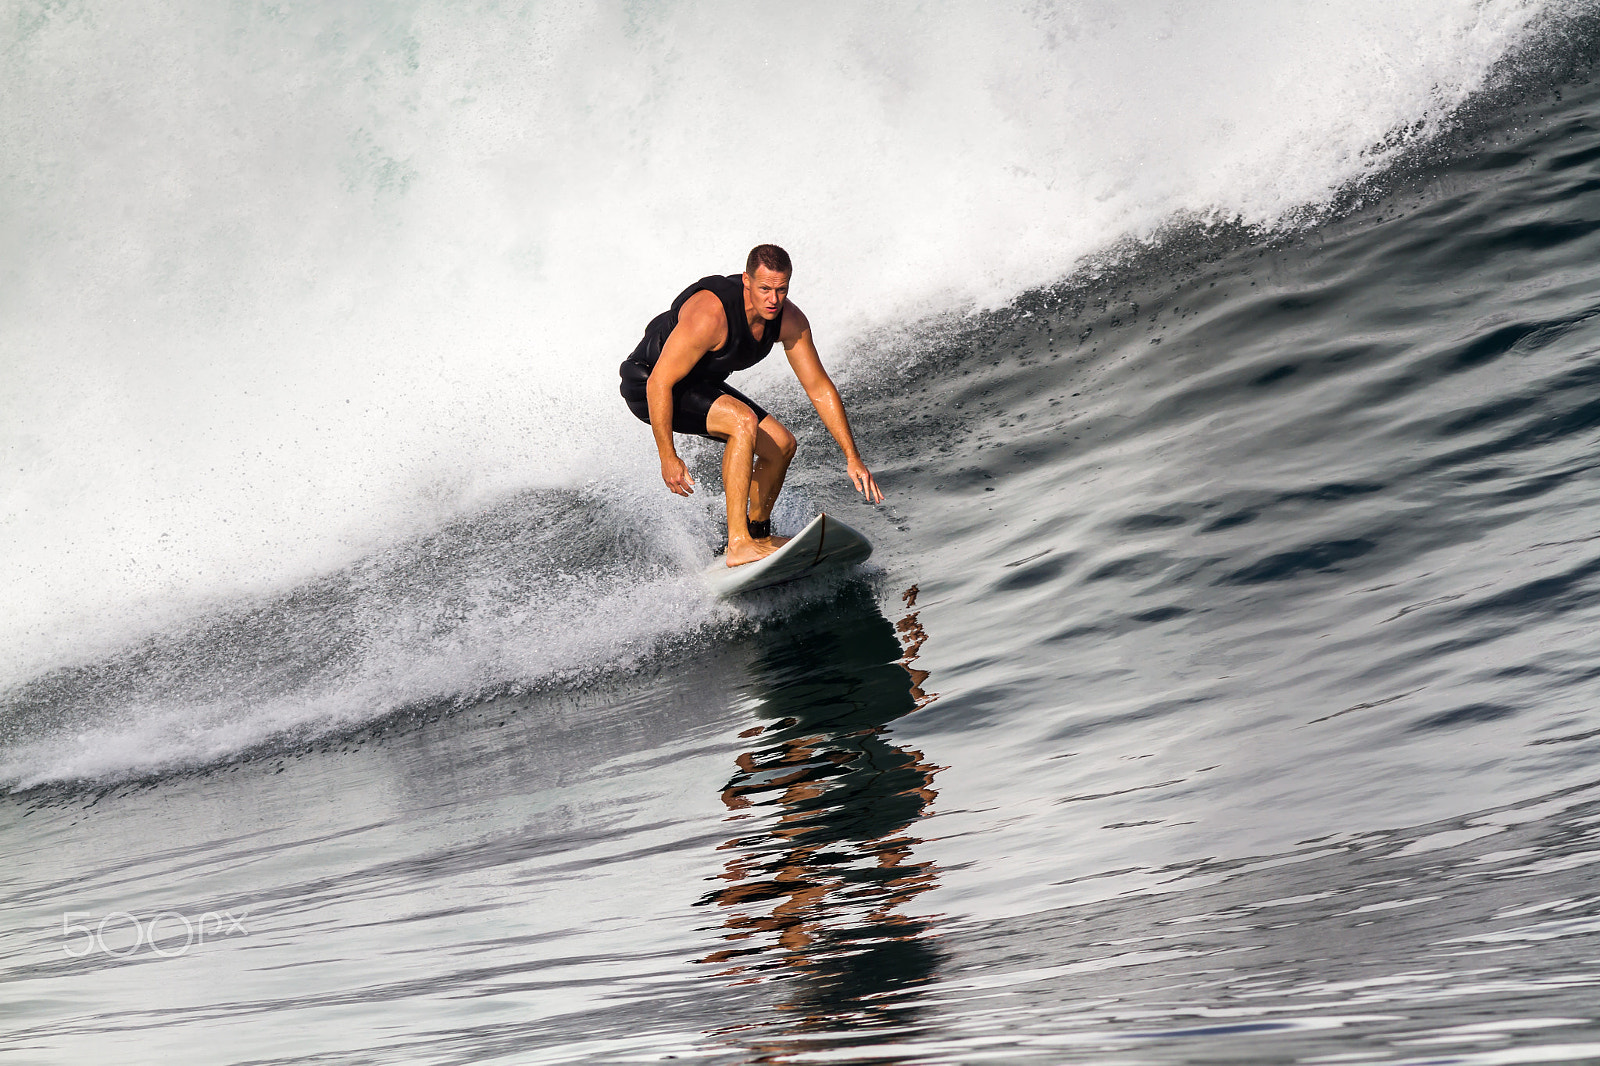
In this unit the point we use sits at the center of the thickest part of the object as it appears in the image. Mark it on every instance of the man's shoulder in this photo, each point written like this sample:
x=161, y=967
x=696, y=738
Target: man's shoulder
x=703, y=304
x=795, y=323
x=702, y=315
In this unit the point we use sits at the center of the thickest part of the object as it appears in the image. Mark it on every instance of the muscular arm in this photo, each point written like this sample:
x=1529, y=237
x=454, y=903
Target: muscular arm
x=824, y=396
x=702, y=326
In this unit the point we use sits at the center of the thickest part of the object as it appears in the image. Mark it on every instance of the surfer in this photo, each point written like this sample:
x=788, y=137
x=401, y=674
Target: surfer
x=676, y=381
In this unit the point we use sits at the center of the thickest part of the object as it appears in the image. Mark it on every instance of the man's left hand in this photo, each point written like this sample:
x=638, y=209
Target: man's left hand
x=862, y=478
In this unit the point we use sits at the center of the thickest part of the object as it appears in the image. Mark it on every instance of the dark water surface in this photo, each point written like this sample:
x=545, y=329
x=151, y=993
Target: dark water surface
x=1225, y=692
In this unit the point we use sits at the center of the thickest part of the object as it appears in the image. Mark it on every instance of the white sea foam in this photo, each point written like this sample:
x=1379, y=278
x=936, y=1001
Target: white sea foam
x=286, y=282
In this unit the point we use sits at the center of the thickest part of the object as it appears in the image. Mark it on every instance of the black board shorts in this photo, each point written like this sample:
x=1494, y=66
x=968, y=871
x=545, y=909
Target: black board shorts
x=691, y=400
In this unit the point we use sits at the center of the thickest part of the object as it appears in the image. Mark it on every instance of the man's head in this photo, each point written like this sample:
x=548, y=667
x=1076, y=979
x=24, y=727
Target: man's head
x=766, y=279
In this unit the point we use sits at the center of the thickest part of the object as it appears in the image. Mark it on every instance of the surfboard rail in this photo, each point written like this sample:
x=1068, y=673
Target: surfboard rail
x=824, y=544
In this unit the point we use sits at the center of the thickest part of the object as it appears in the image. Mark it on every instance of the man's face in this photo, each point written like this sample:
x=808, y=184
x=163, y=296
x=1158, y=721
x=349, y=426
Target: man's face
x=766, y=290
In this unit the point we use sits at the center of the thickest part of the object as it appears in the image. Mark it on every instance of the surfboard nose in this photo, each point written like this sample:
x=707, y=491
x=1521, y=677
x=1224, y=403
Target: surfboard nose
x=824, y=544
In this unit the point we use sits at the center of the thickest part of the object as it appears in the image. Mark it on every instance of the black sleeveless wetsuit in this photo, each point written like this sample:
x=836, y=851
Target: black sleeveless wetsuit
x=707, y=380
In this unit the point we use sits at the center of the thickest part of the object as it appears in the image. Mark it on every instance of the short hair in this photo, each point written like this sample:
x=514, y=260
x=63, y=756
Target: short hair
x=770, y=256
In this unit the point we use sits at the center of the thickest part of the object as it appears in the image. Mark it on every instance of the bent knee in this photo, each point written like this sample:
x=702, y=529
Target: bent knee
x=783, y=441
x=745, y=423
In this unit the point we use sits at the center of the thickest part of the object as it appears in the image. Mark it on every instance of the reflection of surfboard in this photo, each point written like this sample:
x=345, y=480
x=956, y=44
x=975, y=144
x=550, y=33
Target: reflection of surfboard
x=825, y=544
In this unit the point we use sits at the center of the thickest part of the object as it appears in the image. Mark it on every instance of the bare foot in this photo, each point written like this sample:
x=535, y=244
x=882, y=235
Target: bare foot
x=748, y=551
x=773, y=542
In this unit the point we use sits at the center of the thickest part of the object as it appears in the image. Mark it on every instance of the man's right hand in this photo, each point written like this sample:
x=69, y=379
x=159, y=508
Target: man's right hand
x=676, y=475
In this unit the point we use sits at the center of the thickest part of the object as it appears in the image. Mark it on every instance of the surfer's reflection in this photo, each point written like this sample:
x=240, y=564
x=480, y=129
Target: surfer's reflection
x=823, y=860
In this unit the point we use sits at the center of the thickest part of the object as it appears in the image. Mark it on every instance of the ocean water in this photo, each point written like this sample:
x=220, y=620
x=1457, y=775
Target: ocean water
x=1224, y=686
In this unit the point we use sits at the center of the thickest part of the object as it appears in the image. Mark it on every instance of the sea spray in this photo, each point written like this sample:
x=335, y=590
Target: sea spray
x=290, y=283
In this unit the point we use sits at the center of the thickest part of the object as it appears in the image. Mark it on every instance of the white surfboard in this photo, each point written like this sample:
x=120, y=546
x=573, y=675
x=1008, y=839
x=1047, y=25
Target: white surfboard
x=825, y=544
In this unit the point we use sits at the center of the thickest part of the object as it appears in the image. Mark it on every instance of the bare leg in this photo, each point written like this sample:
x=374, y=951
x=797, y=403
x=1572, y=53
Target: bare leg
x=774, y=447
x=736, y=423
